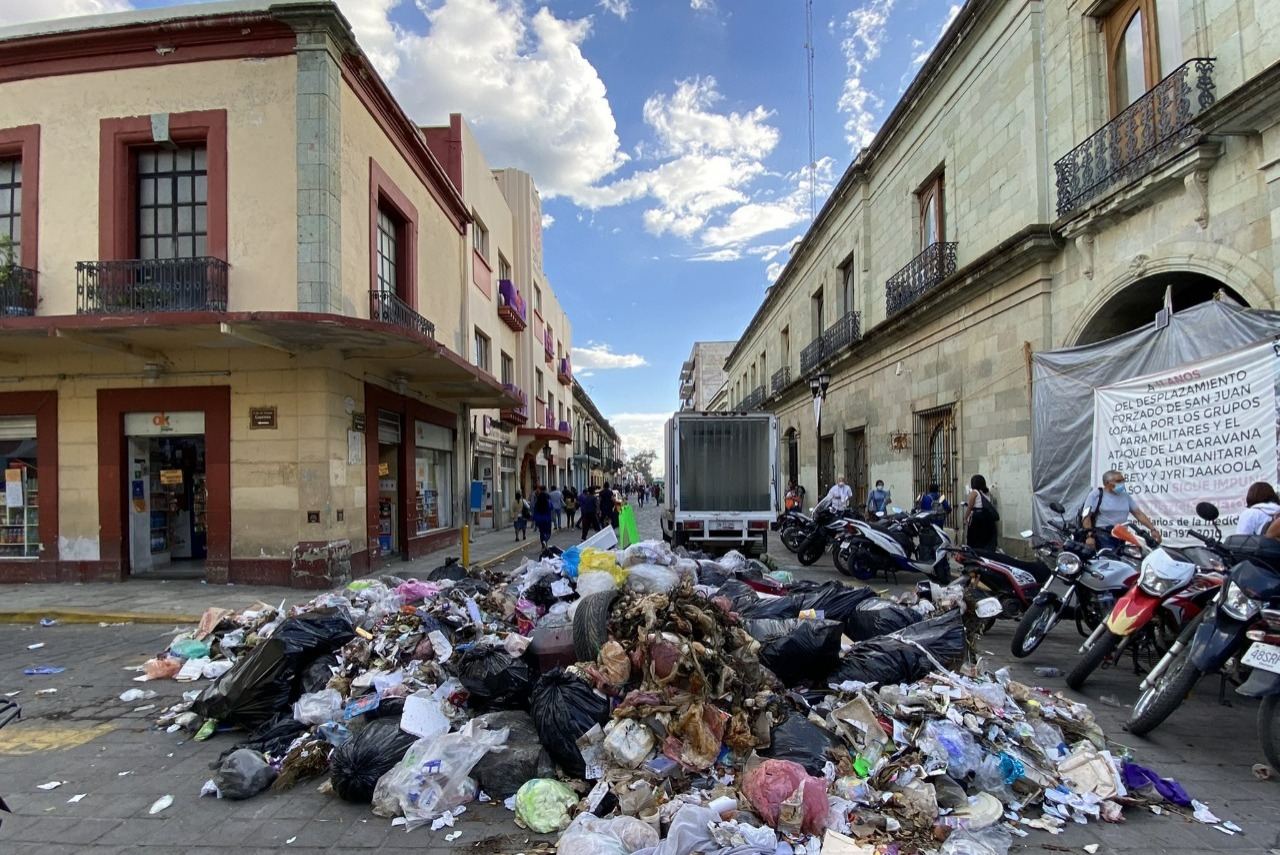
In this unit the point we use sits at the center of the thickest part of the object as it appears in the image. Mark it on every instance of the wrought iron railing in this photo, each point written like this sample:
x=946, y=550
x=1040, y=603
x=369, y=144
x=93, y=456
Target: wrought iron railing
x=17, y=290
x=927, y=270
x=386, y=307
x=753, y=401
x=841, y=335
x=152, y=285
x=1143, y=135
x=781, y=379
x=593, y=452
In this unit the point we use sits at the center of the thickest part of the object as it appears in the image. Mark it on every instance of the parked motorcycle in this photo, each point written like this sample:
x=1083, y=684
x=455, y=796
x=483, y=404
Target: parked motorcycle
x=793, y=527
x=828, y=524
x=1012, y=581
x=905, y=542
x=1263, y=656
x=1083, y=580
x=1175, y=585
x=1219, y=636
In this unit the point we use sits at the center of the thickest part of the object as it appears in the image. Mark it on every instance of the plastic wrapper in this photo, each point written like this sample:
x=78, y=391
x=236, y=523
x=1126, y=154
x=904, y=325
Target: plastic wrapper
x=801, y=741
x=356, y=765
x=243, y=774
x=162, y=667
x=651, y=579
x=582, y=842
x=632, y=833
x=629, y=742
x=543, y=805
x=646, y=552
x=266, y=680
x=951, y=747
x=501, y=773
x=798, y=650
x=317, y=708
x=493, y=678
x=433, y=776
x=189, y=648
x=564, y=708
x=733, y=561
x=593, y=582
x=775, y=783
x=415, y=591
x=986, y=841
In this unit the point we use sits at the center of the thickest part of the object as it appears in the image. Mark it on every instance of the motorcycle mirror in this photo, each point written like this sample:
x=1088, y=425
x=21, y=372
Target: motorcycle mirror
x=1057, y=508
x=1026, y=535
x=1207, y=511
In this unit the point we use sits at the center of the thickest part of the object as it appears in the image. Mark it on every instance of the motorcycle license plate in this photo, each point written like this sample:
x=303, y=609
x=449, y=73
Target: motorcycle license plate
x=1264, y=656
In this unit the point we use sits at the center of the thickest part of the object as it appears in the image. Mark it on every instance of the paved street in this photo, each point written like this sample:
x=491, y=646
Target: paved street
x=85, y=736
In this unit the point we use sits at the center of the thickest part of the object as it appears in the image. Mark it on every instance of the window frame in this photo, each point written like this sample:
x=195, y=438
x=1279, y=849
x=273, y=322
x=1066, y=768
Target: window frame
x=479, y=237
x=817, y=308
x=483, y=351
x=508, y=368
x=119, y=139
x=931, y=196
x=504, y=268
x=848, y=284
x=385, y=196
x=173, y=175
x=1114, y=23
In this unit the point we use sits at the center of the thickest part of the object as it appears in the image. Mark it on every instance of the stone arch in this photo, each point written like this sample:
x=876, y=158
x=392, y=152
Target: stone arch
x=1194, y=269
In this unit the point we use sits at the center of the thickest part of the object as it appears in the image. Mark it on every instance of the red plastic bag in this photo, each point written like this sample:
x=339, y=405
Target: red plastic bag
x=776, y=781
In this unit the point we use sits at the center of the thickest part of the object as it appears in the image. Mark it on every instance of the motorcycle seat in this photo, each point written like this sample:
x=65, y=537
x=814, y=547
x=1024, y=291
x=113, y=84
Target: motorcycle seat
x=1035, y=568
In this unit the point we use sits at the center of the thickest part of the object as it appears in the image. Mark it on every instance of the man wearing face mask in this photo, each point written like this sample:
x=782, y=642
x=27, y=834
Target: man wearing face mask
x=1111, y=505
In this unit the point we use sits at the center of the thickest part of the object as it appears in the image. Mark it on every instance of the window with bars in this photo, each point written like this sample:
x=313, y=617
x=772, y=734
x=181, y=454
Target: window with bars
x=11, y=204
x=388, y=252
x=936, y=455
x=173, y=202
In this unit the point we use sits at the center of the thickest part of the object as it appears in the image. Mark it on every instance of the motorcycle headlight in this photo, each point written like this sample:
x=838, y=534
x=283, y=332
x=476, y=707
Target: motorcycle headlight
x=1239, y=605
x=1155, y=584
x=1068, y=564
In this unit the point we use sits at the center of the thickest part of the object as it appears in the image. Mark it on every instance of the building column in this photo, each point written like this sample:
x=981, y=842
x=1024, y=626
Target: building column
x=319, y=127
x=1271, y=172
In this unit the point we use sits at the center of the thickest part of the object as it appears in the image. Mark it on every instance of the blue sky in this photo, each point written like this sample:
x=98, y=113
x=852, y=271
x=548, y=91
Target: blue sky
x=669, y=139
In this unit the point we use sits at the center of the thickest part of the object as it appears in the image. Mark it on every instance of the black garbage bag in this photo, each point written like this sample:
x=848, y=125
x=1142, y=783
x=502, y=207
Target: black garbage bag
x=711, y=573
x=739, y=594
x=450, y=570
x=797, y=650
x=473, y=587
x=801, y=741
x=318, y=674
x=501, y=773
x=835, y=600
x=494, y=679
x=273, y=737
x=268, y=679
x=386, y=708
x=356, y=765
x=778, y=608
x=942, y=636
x=876, y=617
x=564, y=708
x=893, y=659
x=243, y=774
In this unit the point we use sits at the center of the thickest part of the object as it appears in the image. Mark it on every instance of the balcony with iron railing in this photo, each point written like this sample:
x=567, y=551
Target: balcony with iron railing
x=593, y=453
x=511, y=307
x=753, y=401
x=1142, y=136
x=835, y=339
x=564, y=373
x=17, y=289
x=781, y=379
x=519, y=415
x=923, y=273
x=386, y=307
x=143, y=286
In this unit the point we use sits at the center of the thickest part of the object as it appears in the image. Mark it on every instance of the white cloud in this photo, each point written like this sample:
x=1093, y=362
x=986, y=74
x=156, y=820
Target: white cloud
x=916, y=44
x=699, y=5
x=548, y=221
x=600, y=356
x=717, y=255
x=865, y=33
x=621, y=8
x=377, y=35
x=26, y=11
x=642, y=432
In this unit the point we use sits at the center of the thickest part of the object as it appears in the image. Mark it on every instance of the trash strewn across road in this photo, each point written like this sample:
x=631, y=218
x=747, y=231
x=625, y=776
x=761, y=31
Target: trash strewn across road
x=645, y=701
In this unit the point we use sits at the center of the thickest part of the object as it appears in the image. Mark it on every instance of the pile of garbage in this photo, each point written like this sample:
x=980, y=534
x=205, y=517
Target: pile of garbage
x=649, y=701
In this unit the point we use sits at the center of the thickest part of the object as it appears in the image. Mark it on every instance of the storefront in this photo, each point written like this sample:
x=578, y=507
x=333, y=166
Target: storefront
x=20, y=512
x=484, y=470
x=167, y=500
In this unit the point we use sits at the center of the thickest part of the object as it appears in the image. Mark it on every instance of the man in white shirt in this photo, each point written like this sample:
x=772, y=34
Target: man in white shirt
x=840, y=494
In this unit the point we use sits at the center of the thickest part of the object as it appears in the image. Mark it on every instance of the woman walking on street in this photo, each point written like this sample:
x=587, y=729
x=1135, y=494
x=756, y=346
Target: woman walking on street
x=980, y=515
x=570, y=506
x=589, y=505
x=523, y=515
x=542, y=515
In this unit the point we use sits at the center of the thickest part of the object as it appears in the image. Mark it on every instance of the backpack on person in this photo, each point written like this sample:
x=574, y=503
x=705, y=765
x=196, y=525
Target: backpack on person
x=988, y=508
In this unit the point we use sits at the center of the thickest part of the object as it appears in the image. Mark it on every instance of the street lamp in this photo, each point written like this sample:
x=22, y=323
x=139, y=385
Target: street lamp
x=818, y=386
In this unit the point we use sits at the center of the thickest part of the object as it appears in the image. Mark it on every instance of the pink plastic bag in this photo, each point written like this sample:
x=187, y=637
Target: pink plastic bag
x=775, y=781
x=413, y=590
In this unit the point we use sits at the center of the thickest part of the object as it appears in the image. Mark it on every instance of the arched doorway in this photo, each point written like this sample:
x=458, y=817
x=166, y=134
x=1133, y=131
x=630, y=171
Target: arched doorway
x=1137, y=304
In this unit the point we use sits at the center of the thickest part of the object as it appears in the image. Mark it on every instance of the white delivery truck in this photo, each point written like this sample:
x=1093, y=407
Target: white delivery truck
x=721, y=480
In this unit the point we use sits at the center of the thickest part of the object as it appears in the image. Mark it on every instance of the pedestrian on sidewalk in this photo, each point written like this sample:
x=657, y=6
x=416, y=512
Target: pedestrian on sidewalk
x=523, y=514
x=608, y=501
x=542, y=515
x=570, y=505
x=557, y=505
x=589, y=505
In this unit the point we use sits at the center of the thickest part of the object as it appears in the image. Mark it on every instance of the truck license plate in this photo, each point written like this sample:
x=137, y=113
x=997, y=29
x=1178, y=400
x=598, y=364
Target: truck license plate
x=1264, y=656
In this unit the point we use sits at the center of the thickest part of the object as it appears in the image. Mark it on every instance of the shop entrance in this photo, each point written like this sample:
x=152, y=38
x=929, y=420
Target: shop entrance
x=167, y=494
x=390, y=536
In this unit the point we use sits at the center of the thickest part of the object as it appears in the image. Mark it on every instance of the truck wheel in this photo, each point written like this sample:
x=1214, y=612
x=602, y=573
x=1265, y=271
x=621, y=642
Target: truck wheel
x=591, y=624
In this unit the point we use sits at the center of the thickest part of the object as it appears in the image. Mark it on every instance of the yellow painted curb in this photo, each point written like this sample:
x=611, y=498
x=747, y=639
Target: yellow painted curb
x=92, y=616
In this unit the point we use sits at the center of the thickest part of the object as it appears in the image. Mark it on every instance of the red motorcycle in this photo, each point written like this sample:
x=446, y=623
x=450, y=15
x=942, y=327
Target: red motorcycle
x=1175, y=585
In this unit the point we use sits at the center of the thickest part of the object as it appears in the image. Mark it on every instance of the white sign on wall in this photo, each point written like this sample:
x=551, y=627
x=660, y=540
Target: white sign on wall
x=1202, y=432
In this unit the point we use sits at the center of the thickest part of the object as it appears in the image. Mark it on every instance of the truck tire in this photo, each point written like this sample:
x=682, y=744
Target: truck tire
x=1091, y=659
x=591, y=624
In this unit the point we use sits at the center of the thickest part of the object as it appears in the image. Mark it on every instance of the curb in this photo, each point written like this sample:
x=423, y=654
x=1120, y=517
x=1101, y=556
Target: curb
x=500, y=557
x=83, y=616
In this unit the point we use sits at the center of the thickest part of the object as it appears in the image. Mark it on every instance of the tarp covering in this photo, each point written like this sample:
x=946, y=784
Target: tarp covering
x=1066, y=383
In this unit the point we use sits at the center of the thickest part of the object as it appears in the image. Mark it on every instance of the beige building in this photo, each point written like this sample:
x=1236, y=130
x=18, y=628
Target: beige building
x=240, y=313
x=703, y=374
x=518, y=331
x=597, y=449
x=1052, y=169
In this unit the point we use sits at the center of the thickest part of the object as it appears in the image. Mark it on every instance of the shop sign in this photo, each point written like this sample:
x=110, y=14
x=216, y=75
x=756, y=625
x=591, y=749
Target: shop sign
x=170, y=476
x=262, y=418
x=358, y=422
x=158, y=424
x=384, y=469
x=488, y=425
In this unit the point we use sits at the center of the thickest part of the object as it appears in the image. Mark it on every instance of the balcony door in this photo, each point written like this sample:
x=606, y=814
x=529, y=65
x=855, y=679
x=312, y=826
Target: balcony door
x=173, y=203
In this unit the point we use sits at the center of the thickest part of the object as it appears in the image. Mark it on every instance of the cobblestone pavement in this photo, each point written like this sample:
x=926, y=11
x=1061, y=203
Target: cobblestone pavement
x=86, y=737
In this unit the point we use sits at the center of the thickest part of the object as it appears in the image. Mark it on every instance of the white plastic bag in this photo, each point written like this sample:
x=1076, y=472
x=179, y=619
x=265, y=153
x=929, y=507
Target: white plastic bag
x=431, y=779
x=595, y=581
x=652, y=579
x=318, y=707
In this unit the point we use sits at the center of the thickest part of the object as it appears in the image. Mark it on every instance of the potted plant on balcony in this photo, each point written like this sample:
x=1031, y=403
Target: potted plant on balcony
x=16, y=294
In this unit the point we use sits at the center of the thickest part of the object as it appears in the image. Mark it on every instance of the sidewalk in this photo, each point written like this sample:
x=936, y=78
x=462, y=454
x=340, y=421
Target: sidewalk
x=184, y=601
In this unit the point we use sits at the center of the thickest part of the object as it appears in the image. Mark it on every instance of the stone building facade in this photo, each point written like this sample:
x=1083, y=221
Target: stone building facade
x=1053, y=168
x=702, y=375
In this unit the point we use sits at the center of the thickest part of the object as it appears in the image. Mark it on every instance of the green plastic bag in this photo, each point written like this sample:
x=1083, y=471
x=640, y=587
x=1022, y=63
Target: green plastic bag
x=543, y=804
x=628, y=533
